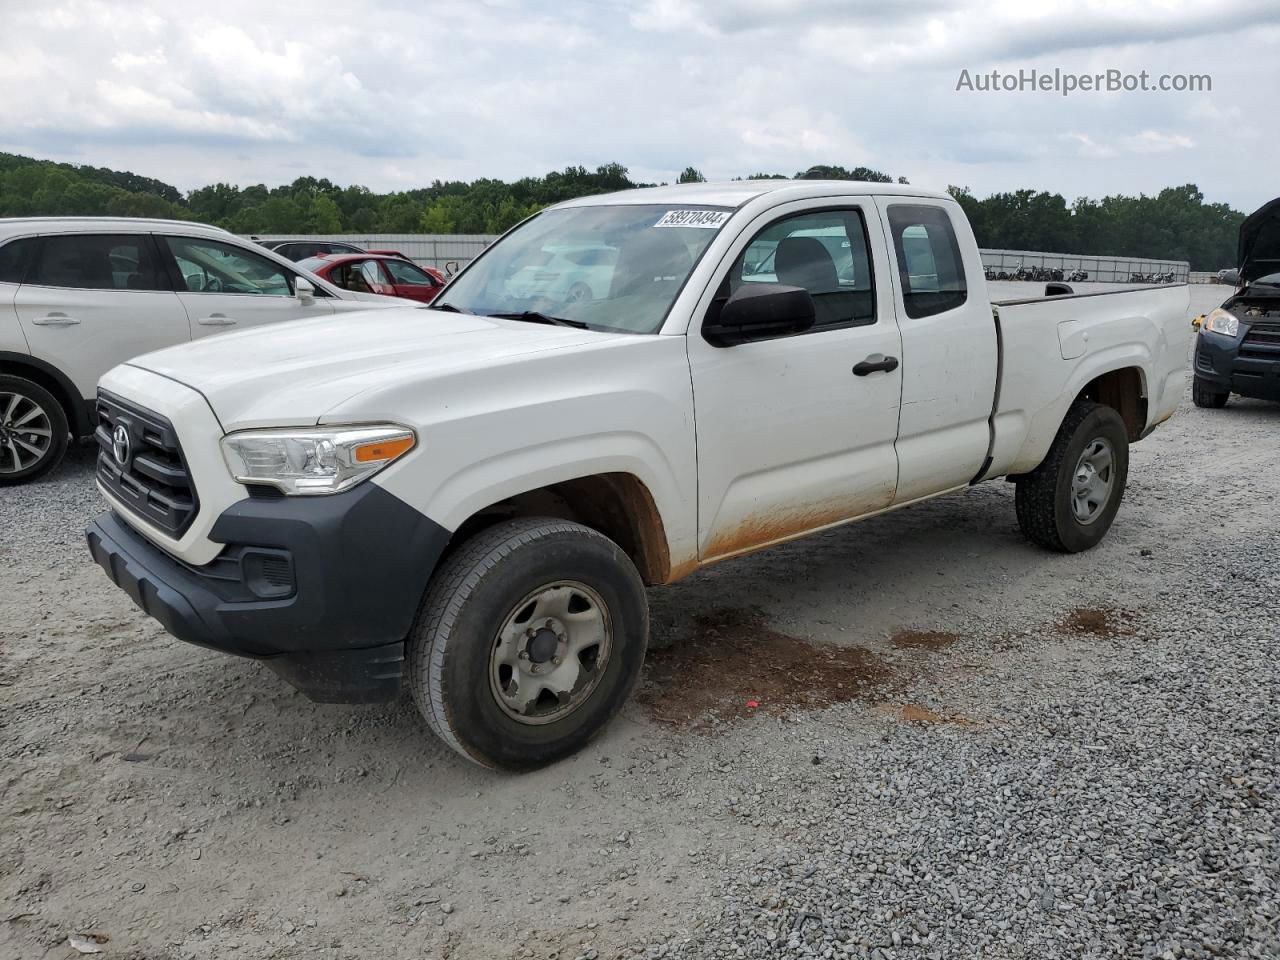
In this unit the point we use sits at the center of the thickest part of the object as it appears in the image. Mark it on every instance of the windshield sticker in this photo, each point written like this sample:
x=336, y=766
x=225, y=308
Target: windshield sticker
x=706, y=219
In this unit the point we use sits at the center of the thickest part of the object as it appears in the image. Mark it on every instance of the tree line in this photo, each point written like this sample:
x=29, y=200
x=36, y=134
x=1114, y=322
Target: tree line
x=1174, y=224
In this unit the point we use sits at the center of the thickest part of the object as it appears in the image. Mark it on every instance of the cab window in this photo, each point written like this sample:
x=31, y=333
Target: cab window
x=824, y=252
x=928, y=255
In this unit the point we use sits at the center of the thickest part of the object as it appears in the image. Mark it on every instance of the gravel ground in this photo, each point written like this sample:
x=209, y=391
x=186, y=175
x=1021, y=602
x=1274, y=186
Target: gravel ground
x=1012, y=754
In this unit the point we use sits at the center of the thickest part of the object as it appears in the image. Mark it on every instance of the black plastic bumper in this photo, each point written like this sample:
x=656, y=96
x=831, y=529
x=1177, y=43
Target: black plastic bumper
x=1218, y=361
x=324, y=589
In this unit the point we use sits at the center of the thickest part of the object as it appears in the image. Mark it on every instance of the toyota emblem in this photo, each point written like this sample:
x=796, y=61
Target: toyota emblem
x=120, y=444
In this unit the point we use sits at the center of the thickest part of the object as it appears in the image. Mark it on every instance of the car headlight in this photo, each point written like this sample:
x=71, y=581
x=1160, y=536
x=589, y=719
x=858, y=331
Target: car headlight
x=311, y=462
x=1219, y=321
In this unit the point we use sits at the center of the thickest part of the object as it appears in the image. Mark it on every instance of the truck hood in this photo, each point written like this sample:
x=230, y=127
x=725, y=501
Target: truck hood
x=1259, y=249
x=293, y=373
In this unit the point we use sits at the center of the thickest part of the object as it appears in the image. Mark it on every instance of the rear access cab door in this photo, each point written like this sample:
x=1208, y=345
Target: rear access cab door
x=950, y=352
x=789, y=437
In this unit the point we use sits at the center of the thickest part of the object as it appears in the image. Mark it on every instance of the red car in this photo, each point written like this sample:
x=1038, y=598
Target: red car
x=377, y=273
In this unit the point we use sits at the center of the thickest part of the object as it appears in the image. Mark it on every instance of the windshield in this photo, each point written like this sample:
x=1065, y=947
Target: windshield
x=608, y=267
x=1270, y=280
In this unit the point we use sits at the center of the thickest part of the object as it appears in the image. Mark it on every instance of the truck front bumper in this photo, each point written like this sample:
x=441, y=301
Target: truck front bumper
x=1233, y=366
x=323, y=589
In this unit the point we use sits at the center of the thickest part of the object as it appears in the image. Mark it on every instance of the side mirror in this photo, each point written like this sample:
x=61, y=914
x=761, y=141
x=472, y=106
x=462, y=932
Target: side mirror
x=761, y=311
x=304, y=289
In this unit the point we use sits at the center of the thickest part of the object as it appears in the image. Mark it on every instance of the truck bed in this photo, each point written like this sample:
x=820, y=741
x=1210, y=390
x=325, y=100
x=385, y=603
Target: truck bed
x=1144, y=329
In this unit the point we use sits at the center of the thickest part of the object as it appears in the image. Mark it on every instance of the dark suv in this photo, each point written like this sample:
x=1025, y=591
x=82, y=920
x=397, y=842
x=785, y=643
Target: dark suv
x=1238, y=350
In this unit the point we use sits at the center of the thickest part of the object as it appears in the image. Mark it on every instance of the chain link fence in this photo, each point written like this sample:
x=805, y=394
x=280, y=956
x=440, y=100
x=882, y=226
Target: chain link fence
x=1034, y=265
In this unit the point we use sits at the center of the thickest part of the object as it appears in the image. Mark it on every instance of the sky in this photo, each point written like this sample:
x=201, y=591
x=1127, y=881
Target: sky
x=394, y=94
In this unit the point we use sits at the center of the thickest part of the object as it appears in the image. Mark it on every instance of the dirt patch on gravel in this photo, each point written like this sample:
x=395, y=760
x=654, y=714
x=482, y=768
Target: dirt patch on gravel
x=923, y=639
x=1091, y=622
x=914, y=713
x=734, y=667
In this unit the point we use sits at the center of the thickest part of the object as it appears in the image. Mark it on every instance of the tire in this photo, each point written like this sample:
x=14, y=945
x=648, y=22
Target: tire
x=1046, y=498
x=1204, y=395
x=479, y=594
x=28, y=454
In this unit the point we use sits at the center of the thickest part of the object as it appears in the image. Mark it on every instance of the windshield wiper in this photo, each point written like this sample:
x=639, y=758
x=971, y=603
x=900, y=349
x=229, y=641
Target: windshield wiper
x=446, y=307
x=533, y=316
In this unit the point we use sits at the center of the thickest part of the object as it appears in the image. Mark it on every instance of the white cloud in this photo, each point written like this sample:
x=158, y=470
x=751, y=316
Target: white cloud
x=1155, y=141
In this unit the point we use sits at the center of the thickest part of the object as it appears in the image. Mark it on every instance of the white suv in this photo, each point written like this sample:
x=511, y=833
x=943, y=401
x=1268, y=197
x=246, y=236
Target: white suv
x=80, y=295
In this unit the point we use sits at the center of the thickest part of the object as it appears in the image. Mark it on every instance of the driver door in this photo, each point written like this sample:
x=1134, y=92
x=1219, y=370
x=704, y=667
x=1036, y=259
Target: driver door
x=793, y=433
x=226, y=287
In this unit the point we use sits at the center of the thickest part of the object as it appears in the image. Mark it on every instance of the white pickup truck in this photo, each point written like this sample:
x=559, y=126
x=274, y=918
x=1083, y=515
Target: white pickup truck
x=471, y=498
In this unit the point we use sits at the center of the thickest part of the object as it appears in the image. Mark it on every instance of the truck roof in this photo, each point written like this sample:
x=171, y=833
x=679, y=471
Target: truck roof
x=734, y=193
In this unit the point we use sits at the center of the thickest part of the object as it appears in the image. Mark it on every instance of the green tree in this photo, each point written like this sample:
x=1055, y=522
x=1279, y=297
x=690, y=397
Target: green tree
x=1176, y=223
x=691, y=175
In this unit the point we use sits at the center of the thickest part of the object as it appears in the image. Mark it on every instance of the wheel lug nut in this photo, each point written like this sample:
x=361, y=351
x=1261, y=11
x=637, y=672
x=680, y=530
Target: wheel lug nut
x=556, y=661
x=524, y=654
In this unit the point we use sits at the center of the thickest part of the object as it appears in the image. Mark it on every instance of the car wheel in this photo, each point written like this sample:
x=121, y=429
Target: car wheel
x=33, y=431
x=1069, y=502
x=1203, y=394
x=529, y=640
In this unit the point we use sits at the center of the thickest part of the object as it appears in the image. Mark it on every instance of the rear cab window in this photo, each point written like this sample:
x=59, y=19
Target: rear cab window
x=928, y=255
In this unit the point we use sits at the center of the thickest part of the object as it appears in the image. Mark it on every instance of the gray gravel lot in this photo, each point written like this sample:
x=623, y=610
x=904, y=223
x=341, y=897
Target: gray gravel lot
x=1026, y=755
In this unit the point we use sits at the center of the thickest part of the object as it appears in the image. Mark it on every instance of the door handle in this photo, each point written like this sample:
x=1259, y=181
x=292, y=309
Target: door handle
x=874, y=364
x=216, y=320
x=55, y=320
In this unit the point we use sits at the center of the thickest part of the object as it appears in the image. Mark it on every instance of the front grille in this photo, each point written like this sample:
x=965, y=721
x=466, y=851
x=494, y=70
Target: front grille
x=146, y=472
x=1261, y=342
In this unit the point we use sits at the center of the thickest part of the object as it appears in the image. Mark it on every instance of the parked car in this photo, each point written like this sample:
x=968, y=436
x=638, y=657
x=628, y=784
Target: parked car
x=1238, y=350
x=564, y=274
x=374, y=273
x=80, y=295
x=298, y=250
x=473, y=507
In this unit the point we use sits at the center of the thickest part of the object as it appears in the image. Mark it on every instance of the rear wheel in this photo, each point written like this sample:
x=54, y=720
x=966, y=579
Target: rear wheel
x=1069, y=502
x=530, y=639
x=1205, y=394
x=33, y=431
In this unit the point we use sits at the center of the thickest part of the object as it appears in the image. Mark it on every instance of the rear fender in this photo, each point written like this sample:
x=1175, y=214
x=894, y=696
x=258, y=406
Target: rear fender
x=1036, y=429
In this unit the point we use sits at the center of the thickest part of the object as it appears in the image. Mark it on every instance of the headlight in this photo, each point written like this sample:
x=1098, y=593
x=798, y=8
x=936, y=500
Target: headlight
x=314, y=462
x=1219, y=321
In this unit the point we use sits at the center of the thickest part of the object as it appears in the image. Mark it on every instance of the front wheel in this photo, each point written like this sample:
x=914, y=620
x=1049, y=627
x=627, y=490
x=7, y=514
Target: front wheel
x=1203, y=394
x=1069, y=502
x=530, y=638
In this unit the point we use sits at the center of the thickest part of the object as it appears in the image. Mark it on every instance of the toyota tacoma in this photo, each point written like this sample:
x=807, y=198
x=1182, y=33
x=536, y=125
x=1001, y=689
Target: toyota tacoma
x=469, y=500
